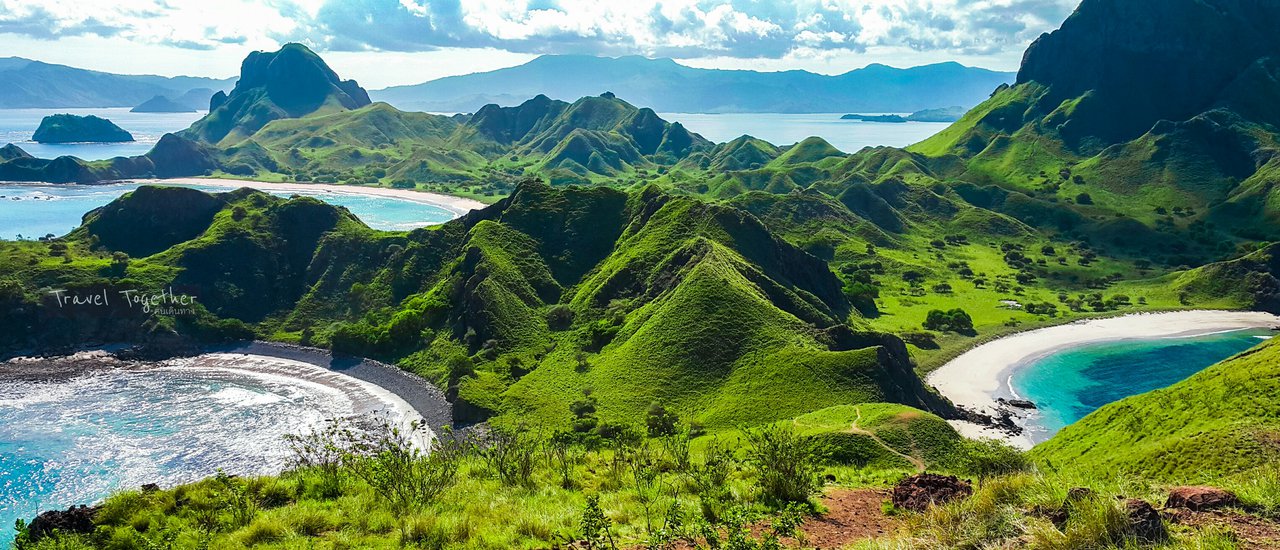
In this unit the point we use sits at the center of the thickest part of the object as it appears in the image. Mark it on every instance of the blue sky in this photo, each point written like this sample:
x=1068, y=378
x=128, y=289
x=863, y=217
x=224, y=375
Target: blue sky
x=388, y=42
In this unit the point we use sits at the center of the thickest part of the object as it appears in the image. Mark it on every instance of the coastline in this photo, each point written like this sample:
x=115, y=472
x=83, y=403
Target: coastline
x=424, y=397
x=978, y=377
x=457, y=205
x=395, y=384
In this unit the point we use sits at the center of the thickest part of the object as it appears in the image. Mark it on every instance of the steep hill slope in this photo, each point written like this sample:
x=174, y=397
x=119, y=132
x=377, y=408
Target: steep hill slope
x=1091, y=105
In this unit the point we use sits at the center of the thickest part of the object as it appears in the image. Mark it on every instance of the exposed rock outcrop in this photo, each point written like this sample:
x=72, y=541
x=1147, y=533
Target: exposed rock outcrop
x=1144, y=521
x=76, y=519
x=290, y=83
x=1200, y=498
x=919, y=492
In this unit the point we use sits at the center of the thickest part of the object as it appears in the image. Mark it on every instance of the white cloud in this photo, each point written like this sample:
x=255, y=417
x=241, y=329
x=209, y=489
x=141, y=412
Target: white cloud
x=691, y=28
x=746, y=33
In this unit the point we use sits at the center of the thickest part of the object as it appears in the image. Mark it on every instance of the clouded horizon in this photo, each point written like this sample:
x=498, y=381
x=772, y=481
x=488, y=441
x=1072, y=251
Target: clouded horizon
x=391, y=42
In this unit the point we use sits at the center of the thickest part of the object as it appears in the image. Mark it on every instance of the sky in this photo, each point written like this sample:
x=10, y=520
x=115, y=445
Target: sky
x=391, y=42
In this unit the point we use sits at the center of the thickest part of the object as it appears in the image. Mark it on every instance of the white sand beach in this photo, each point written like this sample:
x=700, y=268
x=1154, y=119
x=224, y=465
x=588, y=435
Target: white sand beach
x=976, y=378
x=457, y=205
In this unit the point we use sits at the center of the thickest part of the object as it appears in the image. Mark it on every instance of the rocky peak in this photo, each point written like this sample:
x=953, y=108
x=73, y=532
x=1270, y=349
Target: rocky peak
x=1134, y=63
x=290, y=83
x=297, y=80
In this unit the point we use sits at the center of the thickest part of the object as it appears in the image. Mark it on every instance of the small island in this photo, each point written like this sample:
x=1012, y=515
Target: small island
x=161, y=104
x=894, y=119
x=947, y=114
x=66, y=128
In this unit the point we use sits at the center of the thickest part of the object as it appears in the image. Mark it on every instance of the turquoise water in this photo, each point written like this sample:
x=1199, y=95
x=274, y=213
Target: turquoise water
x=1070, y=384
x=77, y=441
x=37, y=210
x=785, y=129
x=17, y=125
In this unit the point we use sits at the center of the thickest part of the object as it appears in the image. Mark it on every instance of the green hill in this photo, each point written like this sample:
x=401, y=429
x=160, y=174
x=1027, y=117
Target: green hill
x=668, y=298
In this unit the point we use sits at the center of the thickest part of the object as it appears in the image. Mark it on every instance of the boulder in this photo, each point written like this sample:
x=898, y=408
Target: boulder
x=1144, y=521
x=1199, y=498
x=919, y=492
x=76, y=519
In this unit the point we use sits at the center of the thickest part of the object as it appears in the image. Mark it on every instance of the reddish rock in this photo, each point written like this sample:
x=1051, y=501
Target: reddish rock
x=1144, y=521
x=919, y=492
x=1200, y=498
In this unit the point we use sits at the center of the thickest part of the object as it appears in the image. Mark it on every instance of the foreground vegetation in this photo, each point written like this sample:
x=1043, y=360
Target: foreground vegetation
x=366, y=485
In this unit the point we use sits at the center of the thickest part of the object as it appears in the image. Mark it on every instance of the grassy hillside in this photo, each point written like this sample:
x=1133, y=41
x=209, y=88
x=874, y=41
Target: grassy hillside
x=518, y=309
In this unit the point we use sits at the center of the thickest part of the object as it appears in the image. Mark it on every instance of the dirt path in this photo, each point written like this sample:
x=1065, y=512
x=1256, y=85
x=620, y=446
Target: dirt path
x=919, y=464
x=852, y=515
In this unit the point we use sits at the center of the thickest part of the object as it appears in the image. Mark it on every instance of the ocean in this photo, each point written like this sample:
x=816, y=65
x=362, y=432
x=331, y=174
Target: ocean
x=75, y=441
x=17, y=125
x=849, y=136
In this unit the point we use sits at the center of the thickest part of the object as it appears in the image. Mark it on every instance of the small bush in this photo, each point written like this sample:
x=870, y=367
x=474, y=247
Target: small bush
x=659, y=421
x=263, y=530
x=955, y=320
x=510, y=455
x=559, y=317
x=988, y=458
x=786, y=465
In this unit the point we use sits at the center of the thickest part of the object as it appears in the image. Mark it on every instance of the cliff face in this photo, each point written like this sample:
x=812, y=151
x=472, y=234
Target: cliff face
x=1134, y=63
x=297, y=80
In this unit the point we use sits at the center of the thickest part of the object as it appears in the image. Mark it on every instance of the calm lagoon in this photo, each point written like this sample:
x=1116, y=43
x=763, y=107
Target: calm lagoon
x=1069, y=384
x=37, y=210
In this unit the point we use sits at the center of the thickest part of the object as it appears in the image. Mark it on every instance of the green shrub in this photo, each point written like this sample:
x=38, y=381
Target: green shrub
x=955, y=320
x=988, y=458
x=263, y=530
x=560, y=317
x=659, y=421
x=786, y=464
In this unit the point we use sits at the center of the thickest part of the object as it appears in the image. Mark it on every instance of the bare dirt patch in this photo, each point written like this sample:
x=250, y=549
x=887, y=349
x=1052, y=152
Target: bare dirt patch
x=1252, y=532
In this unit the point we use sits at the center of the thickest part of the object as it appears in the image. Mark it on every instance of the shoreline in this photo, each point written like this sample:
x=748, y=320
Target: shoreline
x=423, y=397
x=459, y=206
x=978, y=377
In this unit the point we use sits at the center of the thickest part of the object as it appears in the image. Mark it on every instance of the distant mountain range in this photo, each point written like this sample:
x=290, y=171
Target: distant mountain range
x=667, y=86
x=35, y=84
